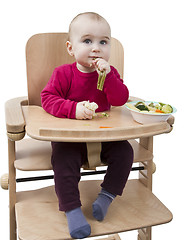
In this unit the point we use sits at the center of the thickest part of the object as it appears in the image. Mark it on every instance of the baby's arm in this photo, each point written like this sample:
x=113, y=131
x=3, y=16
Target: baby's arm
x=117, y=92
x=55, y=102
x=53, y=96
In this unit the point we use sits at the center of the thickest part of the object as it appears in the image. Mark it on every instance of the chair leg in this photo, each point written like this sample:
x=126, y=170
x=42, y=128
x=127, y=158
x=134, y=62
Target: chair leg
x=111, y=237
x=12, y=189
x=114, y=237
x=144, y=233
x=145, y=176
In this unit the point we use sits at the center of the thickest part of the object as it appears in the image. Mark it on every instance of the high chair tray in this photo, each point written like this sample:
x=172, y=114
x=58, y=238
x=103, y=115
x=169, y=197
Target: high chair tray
x=38, y=216
x=119, y=125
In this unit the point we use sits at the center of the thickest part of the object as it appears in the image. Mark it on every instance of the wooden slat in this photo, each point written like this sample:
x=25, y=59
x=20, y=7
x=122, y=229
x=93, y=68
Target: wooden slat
x=38, y=216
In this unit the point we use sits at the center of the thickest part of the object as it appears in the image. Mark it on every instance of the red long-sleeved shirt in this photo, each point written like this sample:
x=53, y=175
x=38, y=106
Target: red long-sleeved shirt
x=68, y=86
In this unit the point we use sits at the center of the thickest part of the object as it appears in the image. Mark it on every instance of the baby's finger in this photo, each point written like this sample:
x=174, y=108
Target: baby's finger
x=88, y=117
x=83, y=103
x=88, y=112
x=97, y=61
x=102, y=64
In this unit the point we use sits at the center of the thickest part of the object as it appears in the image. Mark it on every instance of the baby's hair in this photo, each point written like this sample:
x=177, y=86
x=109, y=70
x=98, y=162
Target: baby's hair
x=92, y=15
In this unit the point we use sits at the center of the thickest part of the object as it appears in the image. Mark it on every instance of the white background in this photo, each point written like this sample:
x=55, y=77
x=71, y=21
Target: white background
x=154, y=38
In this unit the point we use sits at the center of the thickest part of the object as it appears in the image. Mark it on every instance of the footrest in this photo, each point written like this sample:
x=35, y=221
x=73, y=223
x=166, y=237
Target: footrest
x=38, y=217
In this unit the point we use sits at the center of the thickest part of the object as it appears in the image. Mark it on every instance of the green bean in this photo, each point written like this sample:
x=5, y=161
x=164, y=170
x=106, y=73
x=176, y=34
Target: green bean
x=101, y=80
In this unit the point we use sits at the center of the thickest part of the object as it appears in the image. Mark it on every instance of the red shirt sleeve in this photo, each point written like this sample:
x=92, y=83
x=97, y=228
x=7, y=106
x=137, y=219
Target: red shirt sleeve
x=116, y=91
x=53, y=96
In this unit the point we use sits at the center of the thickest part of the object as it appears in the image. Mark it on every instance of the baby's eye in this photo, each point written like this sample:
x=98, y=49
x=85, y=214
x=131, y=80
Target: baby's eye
x=87, y=41
x=103, y=42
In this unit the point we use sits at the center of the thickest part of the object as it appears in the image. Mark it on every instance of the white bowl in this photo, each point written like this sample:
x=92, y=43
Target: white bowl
x=148, y=117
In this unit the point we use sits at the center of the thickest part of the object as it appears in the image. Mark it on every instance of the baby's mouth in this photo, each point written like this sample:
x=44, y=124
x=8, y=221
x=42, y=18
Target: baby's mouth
x=94, y=57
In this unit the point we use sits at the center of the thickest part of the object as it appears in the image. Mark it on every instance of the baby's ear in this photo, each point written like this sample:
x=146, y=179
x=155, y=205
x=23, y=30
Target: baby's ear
x=69, y=48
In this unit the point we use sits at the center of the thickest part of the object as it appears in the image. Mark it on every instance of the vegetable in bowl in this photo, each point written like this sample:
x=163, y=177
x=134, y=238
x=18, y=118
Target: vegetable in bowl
x=151, y=107
x=149, y=111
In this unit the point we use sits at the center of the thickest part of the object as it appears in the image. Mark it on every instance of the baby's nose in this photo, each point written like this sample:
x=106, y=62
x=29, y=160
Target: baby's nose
x=95, y=48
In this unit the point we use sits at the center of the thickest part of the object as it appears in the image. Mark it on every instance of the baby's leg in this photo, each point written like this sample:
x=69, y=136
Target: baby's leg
x=67, y=159
x=119, y=157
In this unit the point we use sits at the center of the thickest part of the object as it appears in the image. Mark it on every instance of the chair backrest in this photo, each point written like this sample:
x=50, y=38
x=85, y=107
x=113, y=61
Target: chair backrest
x=46, y=51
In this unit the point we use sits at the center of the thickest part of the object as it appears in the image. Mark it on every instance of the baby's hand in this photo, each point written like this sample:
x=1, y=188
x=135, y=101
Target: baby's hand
x=102, y=65
x=82, y=112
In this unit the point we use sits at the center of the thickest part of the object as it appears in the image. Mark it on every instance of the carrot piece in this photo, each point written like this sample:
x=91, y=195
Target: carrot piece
x=104, y=127
x=158, y=111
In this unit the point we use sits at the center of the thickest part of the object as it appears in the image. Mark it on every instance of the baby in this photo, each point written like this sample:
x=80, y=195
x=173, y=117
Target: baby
x=65, y=96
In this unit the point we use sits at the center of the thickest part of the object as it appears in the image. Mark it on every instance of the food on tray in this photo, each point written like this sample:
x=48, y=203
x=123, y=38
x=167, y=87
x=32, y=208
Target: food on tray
x=152, y=107
x=91, y=106
x=104, y=114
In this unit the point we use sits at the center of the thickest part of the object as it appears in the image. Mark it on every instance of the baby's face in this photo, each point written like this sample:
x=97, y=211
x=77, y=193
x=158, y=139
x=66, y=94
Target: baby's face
x=89, y=39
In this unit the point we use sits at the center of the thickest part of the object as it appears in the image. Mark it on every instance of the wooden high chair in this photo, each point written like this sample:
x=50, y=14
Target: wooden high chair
x=34, y=215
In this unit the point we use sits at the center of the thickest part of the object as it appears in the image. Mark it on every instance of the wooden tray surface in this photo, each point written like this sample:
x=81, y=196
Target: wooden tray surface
x=118, y=126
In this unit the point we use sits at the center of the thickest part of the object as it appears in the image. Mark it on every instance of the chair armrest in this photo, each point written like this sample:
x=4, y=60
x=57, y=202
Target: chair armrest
x=15, y=122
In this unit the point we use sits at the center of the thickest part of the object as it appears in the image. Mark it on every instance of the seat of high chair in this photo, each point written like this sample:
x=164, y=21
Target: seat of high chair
x=38, y=216
x=34, y=155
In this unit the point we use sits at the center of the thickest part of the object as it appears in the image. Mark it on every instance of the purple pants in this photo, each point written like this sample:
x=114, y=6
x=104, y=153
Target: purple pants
x=67, y=159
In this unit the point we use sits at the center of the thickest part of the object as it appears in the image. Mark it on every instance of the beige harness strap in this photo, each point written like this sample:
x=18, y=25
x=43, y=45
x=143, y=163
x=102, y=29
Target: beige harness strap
x=93, y=154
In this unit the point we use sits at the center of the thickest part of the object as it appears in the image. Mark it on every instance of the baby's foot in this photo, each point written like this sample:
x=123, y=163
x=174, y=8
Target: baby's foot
x=77, y=224
x=101, y=205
